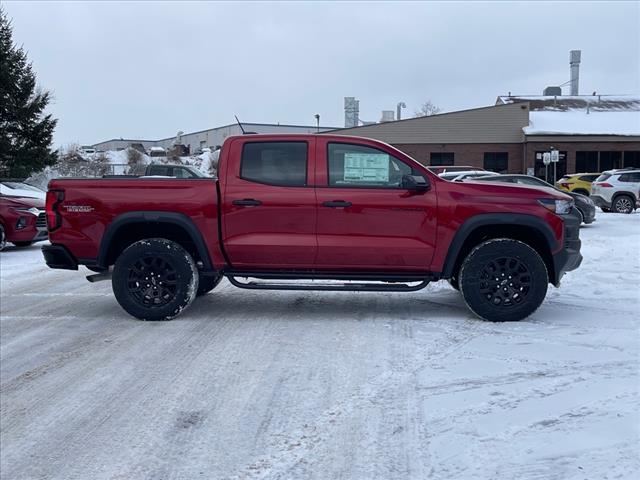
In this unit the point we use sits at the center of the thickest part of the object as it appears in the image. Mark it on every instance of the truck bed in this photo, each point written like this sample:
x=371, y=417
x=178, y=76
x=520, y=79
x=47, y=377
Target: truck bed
x=91, y=205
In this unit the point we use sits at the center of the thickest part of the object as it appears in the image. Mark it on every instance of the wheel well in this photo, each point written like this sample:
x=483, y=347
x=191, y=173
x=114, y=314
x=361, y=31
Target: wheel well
x=529, y=235
x=620, y=194
x=132, y=232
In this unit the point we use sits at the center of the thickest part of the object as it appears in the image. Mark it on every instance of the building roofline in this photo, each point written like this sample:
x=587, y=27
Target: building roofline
x=426, y=116
x=216, y=128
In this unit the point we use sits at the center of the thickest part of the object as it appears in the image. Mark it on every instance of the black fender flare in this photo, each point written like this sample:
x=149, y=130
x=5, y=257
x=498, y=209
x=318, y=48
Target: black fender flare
x=172, y=218
x=493, y=219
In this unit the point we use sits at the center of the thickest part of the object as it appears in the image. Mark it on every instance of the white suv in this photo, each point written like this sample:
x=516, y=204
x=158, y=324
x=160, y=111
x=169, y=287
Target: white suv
x=617, y=190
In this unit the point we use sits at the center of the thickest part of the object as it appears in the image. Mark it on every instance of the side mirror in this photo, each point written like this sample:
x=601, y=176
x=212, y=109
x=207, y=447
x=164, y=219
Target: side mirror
x=416, y=183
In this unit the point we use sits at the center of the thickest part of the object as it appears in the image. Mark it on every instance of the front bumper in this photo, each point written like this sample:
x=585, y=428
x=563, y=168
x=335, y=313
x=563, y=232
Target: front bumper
x=57, y=256
x=588, y=212
x=600, y=201
x=569, y=258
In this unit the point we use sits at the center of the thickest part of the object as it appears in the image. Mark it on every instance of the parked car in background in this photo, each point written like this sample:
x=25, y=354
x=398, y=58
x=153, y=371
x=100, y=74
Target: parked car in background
x=577, y=183
x=22, y=221
x=168, y=170
x=14, y=188
x=157, y=152
x=583, y=204
x=465, y=175
x=454, y=168
x=617, y=190
x=87, y=151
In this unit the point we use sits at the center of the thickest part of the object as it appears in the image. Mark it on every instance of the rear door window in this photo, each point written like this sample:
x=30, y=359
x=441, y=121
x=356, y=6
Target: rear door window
x=275, y=163
x=603, y=177
x=630, y=177
x=588, y=178
x=159, y=170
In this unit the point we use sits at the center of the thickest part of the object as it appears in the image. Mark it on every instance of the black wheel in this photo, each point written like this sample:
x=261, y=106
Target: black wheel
x=22, y=244
x=208, y=283
x=503, y=280
x=3, y=238
x=155, y=279
x=453, y=281
x=623, y=204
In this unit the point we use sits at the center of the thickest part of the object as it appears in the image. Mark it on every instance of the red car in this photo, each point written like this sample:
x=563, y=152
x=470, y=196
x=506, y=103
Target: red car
x=22, y=221
x=347, y=213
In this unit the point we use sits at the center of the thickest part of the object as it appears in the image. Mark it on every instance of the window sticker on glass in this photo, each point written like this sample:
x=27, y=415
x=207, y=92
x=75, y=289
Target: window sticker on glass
x=366, y=167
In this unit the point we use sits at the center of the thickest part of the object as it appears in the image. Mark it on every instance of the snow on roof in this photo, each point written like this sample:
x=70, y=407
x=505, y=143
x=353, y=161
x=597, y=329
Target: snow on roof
x=579, y=122
x=571, y=102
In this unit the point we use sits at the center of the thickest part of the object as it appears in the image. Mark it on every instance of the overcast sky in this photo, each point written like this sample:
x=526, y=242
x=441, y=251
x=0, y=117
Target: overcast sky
x=146, y=70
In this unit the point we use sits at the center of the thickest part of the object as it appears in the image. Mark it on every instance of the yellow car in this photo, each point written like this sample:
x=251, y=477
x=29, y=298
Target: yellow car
x=577, y=182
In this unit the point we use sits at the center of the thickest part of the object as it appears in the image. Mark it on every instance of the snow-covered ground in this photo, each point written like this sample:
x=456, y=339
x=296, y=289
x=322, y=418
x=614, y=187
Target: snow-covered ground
x=292, y=385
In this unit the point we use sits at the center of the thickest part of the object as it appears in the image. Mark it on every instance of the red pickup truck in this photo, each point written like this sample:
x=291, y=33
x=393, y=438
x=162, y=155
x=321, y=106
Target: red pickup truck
x=317, y=212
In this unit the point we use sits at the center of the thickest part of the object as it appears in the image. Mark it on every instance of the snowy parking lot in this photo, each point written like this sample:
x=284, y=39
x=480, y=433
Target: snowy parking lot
x=292, y=385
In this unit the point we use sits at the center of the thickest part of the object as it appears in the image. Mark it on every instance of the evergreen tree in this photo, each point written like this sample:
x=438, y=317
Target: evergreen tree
x=26, y=133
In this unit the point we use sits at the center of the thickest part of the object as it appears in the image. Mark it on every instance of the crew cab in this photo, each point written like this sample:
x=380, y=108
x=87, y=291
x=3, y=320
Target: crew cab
x=313, y=212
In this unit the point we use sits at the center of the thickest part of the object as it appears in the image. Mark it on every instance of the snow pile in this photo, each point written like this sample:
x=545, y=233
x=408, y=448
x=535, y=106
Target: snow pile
x=579, y=122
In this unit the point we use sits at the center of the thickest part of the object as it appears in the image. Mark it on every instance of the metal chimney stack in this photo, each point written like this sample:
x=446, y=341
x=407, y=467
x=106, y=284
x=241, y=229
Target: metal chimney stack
x=574, y=62
x=351, y=112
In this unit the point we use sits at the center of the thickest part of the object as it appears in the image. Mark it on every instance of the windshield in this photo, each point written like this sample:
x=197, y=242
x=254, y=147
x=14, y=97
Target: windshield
x=20, y=186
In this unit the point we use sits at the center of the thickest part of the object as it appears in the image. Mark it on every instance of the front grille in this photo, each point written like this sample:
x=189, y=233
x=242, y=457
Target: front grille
x=41, y=222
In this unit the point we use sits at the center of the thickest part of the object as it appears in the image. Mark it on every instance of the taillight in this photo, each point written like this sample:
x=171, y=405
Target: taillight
x=604, y=184
x=54, y=220
x=565, y=185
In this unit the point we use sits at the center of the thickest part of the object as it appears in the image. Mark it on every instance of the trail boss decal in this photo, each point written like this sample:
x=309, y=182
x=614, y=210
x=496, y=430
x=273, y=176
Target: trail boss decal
x=79, y=208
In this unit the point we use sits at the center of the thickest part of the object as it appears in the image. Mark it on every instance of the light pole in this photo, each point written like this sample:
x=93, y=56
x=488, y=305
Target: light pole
x=317, y=115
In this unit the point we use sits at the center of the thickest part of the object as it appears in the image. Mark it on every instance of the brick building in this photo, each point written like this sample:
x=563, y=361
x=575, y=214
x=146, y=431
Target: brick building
x=592, y=133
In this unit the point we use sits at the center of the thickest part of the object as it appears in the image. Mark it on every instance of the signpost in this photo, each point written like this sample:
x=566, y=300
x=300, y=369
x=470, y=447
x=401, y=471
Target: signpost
x=546, y=159
x=555, y=158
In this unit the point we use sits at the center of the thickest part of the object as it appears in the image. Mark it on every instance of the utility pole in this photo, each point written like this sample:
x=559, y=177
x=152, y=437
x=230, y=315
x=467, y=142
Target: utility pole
x=317, y=115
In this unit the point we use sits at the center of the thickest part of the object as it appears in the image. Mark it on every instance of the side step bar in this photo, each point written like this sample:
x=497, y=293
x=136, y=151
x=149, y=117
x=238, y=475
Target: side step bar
x=351, y=286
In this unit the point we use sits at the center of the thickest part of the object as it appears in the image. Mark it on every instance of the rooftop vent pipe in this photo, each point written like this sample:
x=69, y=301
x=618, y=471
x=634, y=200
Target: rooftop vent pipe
x=574, y=62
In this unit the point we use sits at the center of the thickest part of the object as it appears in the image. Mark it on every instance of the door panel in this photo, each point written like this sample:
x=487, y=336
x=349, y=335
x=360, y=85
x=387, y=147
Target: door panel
x=269, y=226
x=385, y=227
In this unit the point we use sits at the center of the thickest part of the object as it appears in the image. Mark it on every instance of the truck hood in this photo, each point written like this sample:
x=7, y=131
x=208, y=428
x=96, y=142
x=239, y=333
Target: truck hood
x=515, y=192
x=22, y=202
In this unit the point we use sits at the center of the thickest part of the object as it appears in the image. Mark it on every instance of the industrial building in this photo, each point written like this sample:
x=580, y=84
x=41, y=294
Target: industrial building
x=212, y=137
x=591, y=132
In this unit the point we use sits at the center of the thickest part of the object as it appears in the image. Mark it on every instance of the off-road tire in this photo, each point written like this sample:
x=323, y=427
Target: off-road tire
x=22, y=244
x=170, y=273
x=208, y=283
x=518, y=287
x=623, y=204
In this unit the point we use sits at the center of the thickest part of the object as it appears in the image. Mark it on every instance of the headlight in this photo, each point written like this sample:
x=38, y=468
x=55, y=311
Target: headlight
x=32, y=210
x=561, y=207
